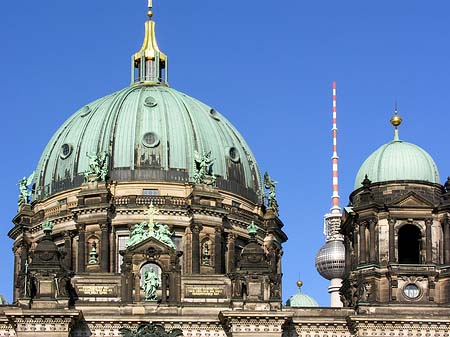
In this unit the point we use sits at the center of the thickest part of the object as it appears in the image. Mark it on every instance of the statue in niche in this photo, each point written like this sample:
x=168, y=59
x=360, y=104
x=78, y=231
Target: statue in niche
x=203, y=173
x=98, y=167
x=206, y=255
x=270, y=185
x=25, y=190
x=151, y=285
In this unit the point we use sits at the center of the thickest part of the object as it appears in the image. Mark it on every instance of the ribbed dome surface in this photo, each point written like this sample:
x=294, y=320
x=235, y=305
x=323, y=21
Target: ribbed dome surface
x=398, y=160
x=301, y=300
x=150, y=133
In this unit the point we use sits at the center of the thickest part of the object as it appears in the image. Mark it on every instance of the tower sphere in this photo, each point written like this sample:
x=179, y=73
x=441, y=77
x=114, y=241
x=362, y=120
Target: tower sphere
x=330, y=260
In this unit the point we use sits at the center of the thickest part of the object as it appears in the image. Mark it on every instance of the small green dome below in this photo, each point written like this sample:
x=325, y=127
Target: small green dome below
x=3, y=300
x=301, y=300
x=398, y=160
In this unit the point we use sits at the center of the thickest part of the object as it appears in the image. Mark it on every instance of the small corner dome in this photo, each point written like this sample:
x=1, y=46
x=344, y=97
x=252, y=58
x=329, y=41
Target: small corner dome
x=301, y=300
x=398, y=160
x=150, y=133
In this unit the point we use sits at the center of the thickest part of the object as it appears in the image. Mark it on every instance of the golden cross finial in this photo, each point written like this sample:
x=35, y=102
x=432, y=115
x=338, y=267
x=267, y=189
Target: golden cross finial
x=150, y=7
x=151, y=212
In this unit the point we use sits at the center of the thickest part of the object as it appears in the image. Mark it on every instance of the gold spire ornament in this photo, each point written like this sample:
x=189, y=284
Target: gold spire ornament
x=396, y=120
x=149, y=64
x=150, y=7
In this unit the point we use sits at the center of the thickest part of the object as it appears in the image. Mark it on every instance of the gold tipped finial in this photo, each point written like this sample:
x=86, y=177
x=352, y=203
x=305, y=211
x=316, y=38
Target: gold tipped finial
x=299, y=283
x=150, y=9
x=149, y=64
x=396, y=120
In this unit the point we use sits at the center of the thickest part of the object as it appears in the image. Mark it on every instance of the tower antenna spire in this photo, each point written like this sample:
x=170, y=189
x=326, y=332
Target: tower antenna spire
x=330, y=260
x=335, y=209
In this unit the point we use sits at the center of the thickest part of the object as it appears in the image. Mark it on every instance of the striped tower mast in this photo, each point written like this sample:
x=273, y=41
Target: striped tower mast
x=335, y=210
x=330, y=260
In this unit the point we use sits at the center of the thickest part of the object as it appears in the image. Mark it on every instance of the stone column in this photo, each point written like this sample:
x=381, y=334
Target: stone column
x=68, y=236
x=195, y=229
x=17, y=270
x=81, y=249
x=372, y=244
x=104, y=253
x=391, y=241
x=218, y=251
x=164, y=280
x=446, y=241
x=429, y=244
x=231, y=238
x=362, y=243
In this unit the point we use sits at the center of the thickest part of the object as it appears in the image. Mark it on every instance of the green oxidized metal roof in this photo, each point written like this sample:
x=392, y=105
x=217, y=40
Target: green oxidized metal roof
x=301, y=300
x=151, y=133
x=398, y=160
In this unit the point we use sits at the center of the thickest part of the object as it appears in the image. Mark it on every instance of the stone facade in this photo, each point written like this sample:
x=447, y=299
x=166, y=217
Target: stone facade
x=232, y=287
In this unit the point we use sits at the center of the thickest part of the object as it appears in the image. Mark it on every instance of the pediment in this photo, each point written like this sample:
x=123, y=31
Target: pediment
x=150, y=244
x=412, y=199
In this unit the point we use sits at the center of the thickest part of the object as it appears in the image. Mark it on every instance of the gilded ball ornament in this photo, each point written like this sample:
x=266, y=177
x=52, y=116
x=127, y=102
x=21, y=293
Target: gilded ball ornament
x=396, y=120
x=299, y=284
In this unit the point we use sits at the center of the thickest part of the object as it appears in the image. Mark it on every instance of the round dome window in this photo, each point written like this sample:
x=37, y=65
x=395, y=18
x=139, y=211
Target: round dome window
x=66, y=151
x=150, y=101
x=233, y=153
x=213, y=113
x=86, y=110
x=150, y=139
x=411, y=291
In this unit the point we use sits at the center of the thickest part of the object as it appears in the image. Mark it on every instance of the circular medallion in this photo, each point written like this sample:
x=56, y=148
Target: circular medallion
x=411, y=291
x=150, y=139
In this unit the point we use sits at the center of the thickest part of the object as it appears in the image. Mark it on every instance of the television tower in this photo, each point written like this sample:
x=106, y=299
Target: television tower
x=330, y=260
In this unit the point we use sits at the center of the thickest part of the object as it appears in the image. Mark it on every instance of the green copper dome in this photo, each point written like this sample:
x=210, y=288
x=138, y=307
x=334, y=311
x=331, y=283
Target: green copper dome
x=398, y=160
x=301, y=300
x=151, y=133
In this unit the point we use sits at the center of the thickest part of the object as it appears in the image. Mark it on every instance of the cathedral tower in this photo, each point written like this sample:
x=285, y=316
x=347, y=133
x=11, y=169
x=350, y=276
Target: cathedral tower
x=397, y=230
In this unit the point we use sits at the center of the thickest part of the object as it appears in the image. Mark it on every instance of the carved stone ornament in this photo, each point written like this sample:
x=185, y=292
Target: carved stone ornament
x=151, y=330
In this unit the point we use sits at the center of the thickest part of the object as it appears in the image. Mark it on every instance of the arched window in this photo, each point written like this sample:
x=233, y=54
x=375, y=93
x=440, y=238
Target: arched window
x=409, y=244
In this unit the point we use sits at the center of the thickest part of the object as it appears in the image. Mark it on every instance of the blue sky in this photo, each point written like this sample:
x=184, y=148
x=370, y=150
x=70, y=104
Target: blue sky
x=267, y=66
